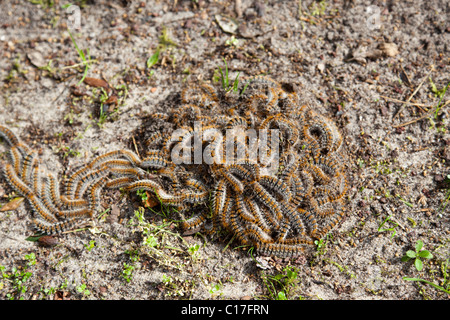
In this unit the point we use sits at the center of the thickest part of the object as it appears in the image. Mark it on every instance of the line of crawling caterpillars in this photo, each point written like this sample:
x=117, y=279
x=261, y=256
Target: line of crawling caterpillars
x=277, y=211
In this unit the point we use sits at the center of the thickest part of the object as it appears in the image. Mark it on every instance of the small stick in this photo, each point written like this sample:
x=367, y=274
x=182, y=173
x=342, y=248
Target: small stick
x=135, y=147
x=414, y=93
x=422, y=117
x=407, y=103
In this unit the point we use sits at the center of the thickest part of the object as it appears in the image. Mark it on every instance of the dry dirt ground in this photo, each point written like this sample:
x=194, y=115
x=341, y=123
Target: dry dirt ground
x=350, y=60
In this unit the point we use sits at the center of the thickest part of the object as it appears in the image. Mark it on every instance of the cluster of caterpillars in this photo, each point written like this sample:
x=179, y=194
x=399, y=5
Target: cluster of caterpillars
x=281, y=188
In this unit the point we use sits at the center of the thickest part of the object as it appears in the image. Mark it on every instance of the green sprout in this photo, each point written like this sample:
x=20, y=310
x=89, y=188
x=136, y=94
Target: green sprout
x=417, y=255
x=428, y=282
x=142, y=194
x=388, y=219
x=154, y=58
x=127, y=272
x=193, y=249
x=232, y=41
x=438, y=93
x=226, y=81
x=82, y=289
x=82, y=56
x=31, y=258
x=216, y=290
x=90, y=245
x=286, y=281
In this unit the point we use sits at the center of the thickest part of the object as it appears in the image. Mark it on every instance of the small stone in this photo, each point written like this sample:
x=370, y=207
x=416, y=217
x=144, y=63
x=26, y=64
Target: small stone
x=321, y=67
x=114, y=215
x=37, y=59
x=384, y=110
x=47, y=83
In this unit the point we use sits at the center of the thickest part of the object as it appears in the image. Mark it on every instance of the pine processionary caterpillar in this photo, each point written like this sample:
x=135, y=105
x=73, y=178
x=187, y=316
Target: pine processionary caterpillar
x=9, y=136
x=18, y=185
x=16, y=160
x=193, y=224
x=276, y=185
x=280, y=249
x=258, y=235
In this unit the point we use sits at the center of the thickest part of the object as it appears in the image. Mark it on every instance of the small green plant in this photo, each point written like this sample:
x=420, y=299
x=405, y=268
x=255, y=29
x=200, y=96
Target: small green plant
x=142, y=194
x=128, y=269
x=84, y=57
x=233, y=42
x=216, y=290
x=409, y=204
x=174, y=287
x=446, y=290
x=193, y=249
x=445, y=284
x=31, y=258
x=17, y=279
x=151, y=241
x=280, y=286
x=395, y=225
x=43, y=3
x=127, y=272
x=70, y=152
x=164, y=43
x=154, y=58
x=49, y=68
x=440, y=94
x=82, y=289
x=16, y=70
x=417, y=255
x=321, y=245
x=69, y=117
x=164, y=39
x=318, y=8
x=89, y=246
x=157, y=239
x=360, y=162
x=226, y=81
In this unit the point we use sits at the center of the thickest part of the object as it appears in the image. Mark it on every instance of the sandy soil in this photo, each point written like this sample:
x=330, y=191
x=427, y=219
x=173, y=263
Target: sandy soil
x=349, y=59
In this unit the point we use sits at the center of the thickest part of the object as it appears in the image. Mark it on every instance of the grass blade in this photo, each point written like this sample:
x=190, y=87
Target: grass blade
x=440, y=100
x=428, y=282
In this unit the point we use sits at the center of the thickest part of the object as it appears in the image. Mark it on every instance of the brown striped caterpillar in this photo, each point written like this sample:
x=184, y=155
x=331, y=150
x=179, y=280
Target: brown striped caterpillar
x=220, y=150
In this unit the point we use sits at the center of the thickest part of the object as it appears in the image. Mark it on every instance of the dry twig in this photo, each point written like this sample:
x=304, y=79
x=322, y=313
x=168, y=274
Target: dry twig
x=414, y=93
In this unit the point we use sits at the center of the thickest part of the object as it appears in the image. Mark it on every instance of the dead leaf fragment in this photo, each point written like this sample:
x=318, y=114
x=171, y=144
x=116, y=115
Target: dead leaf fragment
x=62, y=295
x=98, y=83
x=389, y=49
x=362, y=53
x=150, y=202
x=12, y=205
x=112, y=100
x=48, y=241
